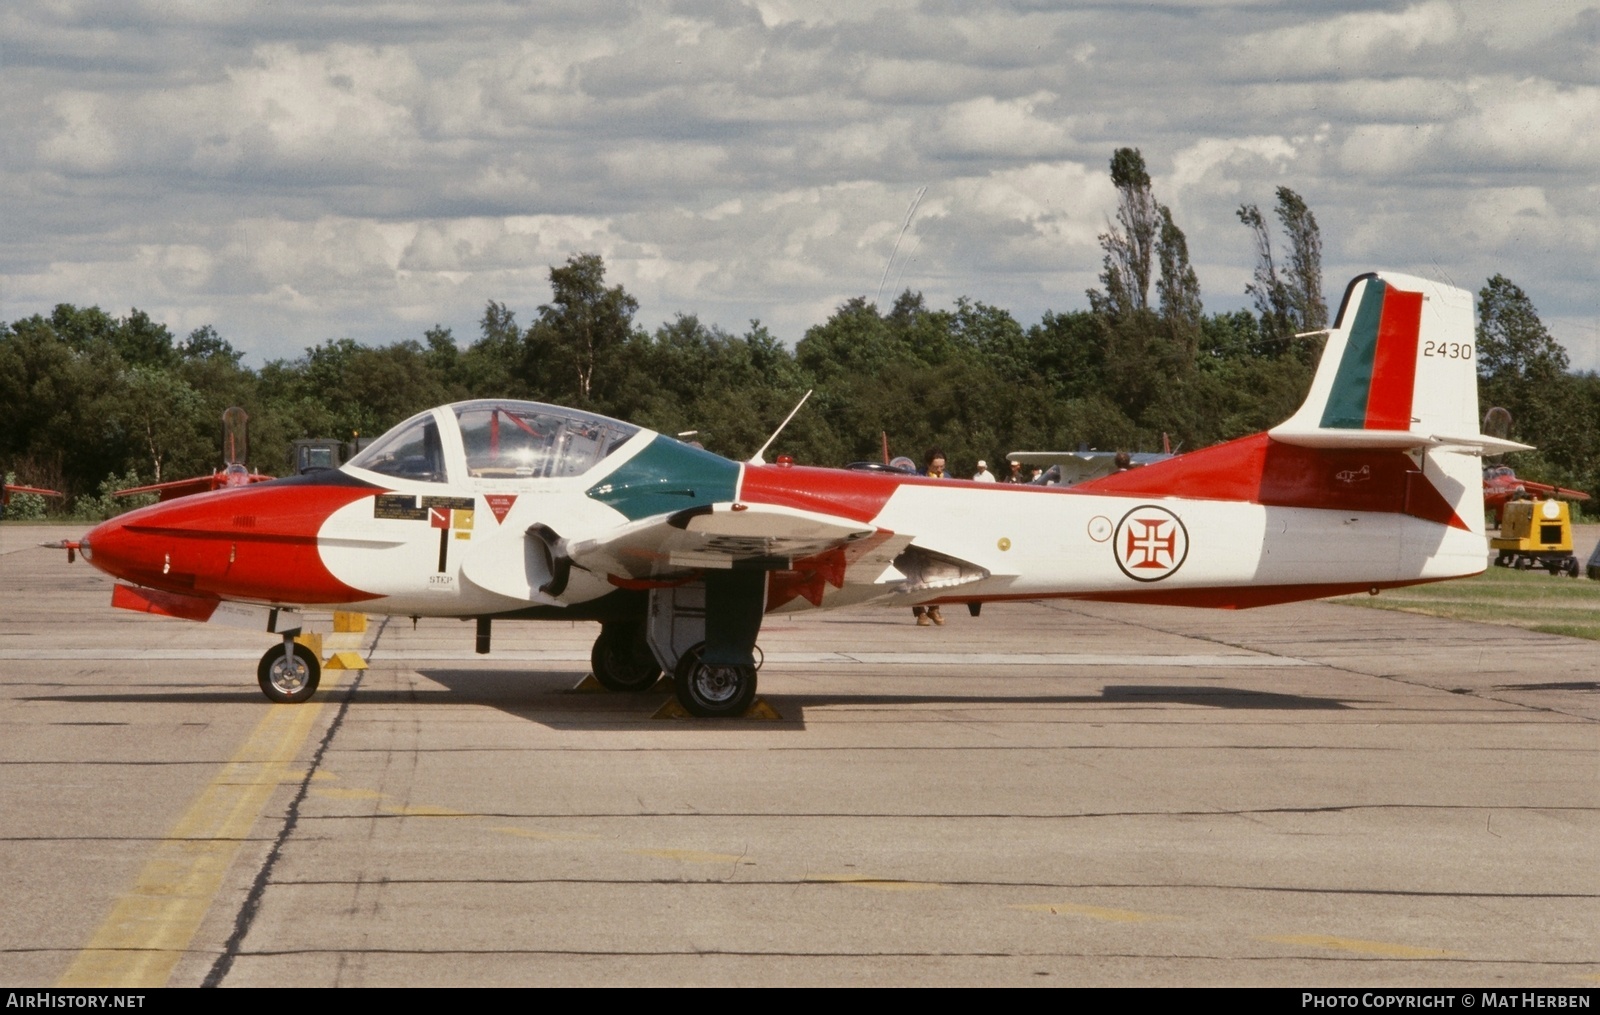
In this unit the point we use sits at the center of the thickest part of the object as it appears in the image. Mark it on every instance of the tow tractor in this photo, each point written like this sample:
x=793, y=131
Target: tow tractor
x=1536, y=533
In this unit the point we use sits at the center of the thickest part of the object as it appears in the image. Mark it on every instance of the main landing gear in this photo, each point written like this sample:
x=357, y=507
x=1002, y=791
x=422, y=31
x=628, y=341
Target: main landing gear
x=289, y=673
x=702, y=632
x=623, y=662
x=622, y=659
x=713, y=690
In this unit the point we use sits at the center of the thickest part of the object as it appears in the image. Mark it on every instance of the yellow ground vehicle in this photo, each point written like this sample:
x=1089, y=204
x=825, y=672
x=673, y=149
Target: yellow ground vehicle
x=1536, y=533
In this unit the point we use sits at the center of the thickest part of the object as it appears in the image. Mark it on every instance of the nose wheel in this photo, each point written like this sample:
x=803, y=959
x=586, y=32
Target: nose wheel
x=712, y=690
x=289, y=680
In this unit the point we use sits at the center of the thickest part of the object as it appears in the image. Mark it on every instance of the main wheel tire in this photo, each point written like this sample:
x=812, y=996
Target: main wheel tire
x=622, y=660
x=713, y=691
x=286, y=682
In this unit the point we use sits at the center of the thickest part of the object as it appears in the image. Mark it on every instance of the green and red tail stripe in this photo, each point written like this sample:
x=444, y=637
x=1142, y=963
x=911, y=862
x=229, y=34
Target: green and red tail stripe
x=1373, y=387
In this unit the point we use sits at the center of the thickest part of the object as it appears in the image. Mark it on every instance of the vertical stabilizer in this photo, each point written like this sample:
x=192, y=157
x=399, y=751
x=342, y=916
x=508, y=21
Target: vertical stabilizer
x=1398, y=371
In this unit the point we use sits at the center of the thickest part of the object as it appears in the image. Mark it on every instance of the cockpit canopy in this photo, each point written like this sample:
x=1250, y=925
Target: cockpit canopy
x=501, y=439
x=531, y=440
x=410, y=451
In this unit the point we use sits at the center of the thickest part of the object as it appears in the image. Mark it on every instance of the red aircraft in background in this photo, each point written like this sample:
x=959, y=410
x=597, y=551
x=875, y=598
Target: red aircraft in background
x=1501, y=486
x=233, y=473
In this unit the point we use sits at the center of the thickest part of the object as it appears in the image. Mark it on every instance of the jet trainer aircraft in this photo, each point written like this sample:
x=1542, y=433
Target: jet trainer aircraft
x=496, y=509
x=1501, y=486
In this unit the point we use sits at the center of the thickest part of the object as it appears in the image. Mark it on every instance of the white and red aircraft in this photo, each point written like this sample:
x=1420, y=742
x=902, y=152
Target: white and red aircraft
x=497, y=509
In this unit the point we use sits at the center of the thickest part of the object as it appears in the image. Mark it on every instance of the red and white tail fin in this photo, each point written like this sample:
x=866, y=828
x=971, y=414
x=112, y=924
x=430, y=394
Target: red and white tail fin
x=1399, y=372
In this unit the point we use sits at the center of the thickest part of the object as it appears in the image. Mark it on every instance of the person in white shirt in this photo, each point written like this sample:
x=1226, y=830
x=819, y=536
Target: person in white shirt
x=983, y=474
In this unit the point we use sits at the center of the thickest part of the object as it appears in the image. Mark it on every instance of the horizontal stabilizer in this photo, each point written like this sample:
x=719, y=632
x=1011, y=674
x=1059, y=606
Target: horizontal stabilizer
x=1482, y=444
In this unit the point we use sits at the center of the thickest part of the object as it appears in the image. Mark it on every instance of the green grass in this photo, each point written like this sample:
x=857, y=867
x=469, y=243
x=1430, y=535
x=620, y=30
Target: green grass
x=1536, y=600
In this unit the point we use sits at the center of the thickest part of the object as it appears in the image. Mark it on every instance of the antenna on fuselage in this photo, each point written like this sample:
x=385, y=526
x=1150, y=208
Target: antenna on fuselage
x=755, y=459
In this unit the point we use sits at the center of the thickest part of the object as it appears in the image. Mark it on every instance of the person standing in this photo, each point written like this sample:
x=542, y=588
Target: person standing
x=934, y=469
x=983, y=475
x=1016, y=474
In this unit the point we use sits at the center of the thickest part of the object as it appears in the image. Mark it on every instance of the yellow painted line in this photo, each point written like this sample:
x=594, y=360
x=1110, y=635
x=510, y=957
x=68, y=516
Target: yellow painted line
x=1095, y=912
x=149, y=928
x=881, y=884
x=424, y=811
x=528, y=833
x=686, y=855
x=1387, y=949
x=341, y=793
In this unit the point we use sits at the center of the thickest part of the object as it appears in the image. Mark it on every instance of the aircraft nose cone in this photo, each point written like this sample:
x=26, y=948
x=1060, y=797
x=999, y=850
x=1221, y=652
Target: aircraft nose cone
x=121, y=553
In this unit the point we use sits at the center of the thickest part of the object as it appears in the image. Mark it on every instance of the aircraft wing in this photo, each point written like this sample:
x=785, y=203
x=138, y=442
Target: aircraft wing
x=176, y=488
x=722, y=535
x=1552, y=491
x=36, y=491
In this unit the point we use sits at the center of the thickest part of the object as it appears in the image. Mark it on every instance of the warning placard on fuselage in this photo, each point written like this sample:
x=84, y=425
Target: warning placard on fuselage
x=413, y=507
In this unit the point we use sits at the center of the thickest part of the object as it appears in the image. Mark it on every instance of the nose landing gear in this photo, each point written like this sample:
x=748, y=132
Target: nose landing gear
x=288, y=674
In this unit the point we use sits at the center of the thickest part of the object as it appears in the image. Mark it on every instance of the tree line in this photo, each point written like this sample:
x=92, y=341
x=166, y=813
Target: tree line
x=90, y=402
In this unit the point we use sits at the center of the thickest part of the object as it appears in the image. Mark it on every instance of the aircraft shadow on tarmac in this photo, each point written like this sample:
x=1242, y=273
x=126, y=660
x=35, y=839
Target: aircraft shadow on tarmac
x=1568, y=685
x=524, y=695
x=543, y=696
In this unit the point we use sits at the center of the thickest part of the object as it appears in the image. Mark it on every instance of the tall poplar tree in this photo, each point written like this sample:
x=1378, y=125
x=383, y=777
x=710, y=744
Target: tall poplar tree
x=1289, y=299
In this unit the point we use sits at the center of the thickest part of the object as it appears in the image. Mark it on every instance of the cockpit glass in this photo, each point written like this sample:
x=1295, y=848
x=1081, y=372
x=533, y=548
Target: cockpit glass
x=410, y=451
x=528, y=440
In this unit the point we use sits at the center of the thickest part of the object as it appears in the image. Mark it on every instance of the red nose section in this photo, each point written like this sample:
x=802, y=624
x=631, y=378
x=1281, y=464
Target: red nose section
x=254, y=543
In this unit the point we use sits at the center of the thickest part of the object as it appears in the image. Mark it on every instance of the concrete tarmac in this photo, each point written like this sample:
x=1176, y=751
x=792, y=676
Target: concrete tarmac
x=1051, y=794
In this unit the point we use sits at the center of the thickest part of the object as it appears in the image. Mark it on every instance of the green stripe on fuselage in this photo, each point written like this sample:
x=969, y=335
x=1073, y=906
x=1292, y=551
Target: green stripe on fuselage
x=667, y=476
x=1347, y=402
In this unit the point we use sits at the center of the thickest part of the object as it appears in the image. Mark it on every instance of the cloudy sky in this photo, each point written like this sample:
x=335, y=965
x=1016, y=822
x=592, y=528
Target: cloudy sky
x=301, y=170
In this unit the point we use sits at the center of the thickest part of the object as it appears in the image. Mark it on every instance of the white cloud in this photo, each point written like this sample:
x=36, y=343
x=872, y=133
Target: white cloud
x=1352, y=43
x=1532, y=123
x=299, y=171
x=84, y=141
x=1214, y=167
x=987, y=126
